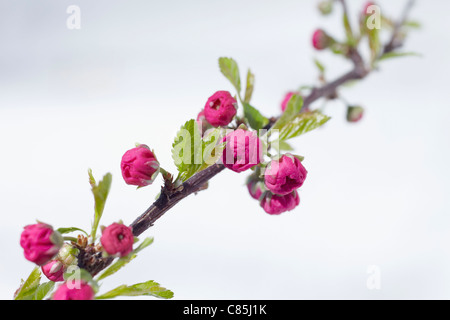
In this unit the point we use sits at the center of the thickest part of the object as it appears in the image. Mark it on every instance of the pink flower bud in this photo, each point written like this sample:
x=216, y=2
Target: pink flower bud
x=354, y=113
x=139, y=166
x=321, y=40
x=243, y=150
x=220, y=109
x=117, y=239
x=40, y=243
x=255, y=188
x=74, y=291
x=276, y=204
x=284, y=175
x=54, y=270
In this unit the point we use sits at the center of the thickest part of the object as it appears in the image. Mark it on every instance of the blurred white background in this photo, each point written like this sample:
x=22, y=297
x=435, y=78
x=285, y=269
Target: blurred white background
x=136, y=70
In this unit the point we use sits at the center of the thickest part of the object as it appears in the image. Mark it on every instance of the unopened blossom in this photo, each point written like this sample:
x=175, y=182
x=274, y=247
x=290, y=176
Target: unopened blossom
x=117, y=239
x=284, y=175
x=243, y=150
x=220, y=109
x=275, y=204
x=40, y=243
x=139, y=166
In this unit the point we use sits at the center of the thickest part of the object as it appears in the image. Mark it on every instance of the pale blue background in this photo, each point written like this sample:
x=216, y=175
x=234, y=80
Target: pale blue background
x=375, y=194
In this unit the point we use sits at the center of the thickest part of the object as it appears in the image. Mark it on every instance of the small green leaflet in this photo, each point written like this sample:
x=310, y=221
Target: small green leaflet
x=413, y=24
x=255, y=119
x=348, y=30
x=249, y=87
x=125, y=260
x=391, y=55
x=100, y=192
x=212, y=148
x=43, y=290
x=284, y=146
x=319, y=66
x=374, y=43
x=230, y=70
x=191, y=153
x=70, y=230
x=293, y=108
x=149, y=288
x=28, y=287
x=301, y=124
x=187, y=150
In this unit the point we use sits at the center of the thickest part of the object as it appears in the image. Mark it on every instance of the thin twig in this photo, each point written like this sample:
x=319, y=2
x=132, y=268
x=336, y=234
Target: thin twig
x=395, y=43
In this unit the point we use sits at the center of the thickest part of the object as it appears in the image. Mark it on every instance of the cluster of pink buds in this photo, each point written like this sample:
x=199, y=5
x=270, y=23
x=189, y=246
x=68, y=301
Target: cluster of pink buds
x=277, y=189
x=46, y=248
x=282, y=178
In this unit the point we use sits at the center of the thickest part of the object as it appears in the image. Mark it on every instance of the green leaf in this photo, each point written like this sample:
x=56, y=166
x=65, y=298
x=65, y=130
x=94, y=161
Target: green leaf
x=249, y=87
x=192, y=153
x=413, y=24
x=391, y=55
x=70, y=230
x=125, y=260
x=301, y=124
x=144, y=244
x=255, y=119
x=28, y=287
x=187, y=150
x=283, y=145
x=149, y=288
x=293, y=108
x=348, y=30
x=100, y=192
x=117, y=266
x=374, y=43
x=43, y=290
x=230, y=70
x=319, y=66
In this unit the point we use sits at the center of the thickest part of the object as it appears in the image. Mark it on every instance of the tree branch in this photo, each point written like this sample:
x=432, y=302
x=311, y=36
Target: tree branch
x=169, y=198
x=396, y=42
x=170, y=195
